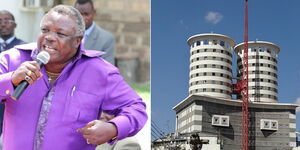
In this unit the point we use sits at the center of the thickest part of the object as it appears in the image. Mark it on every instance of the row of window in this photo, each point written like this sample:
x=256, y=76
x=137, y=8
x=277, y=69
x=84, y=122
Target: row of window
x=210, y=90
x=260, y=65
x=263, y=88
x=211, y=66
x=259, y=57
x=260, y=49
x=211, y=58
x=210, y=82
x=264, y=96
x=211, y=50
x=211, y=42
x=210, y=74
x=261, y=73
x=228, y=92
x=263, y=80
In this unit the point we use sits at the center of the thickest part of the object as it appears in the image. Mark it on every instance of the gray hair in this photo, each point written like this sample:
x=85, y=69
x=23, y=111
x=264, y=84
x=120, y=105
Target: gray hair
x=72, y=12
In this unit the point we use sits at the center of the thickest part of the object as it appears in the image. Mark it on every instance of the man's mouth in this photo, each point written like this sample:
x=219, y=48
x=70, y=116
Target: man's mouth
x=49, y=48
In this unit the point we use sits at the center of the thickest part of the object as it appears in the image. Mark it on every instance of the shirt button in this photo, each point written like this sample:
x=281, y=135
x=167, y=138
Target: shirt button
x=7, y=92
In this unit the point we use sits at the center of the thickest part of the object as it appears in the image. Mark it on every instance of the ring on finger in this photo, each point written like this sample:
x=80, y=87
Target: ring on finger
x=27, y=78
x=28, y=73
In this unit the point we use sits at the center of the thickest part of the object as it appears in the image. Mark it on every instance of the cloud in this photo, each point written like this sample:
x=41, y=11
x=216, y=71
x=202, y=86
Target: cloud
x=213, y=17
x=182, y=23
x=297, y=102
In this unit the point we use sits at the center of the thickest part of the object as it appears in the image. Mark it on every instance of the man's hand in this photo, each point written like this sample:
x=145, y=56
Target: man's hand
x=29, y=71
x=98, y=132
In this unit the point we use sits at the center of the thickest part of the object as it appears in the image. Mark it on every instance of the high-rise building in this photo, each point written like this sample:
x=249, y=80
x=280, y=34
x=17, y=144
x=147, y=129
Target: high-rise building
x=262, y=69
x=211, y=65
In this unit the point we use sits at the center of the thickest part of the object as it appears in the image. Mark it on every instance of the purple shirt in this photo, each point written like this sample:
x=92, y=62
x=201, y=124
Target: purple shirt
x=86, y=86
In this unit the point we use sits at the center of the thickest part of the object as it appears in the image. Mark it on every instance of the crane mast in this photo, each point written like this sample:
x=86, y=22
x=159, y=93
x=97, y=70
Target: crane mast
x=245, y=95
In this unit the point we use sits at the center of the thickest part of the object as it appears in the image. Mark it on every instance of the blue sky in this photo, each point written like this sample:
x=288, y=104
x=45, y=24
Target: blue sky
x=173, y=22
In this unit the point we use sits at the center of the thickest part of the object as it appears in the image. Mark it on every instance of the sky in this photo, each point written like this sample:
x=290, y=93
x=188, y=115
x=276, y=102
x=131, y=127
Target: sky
x=173, y=22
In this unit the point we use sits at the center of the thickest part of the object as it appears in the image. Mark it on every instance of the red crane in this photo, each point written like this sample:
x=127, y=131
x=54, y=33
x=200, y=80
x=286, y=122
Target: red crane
x=244, y=94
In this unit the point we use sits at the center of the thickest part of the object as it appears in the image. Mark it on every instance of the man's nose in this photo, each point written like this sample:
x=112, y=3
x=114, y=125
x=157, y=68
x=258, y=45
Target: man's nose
x=50, y=36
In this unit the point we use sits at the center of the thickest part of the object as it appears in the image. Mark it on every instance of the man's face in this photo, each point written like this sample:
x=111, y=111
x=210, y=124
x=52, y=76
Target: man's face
x=7, y=25
x=58, y=38
x=87, y=12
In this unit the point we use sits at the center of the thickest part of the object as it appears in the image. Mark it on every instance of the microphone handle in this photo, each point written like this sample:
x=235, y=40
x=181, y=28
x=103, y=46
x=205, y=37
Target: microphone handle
x=19, y=90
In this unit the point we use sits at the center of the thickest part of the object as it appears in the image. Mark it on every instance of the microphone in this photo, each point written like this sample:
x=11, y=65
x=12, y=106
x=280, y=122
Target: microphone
x=42, y=58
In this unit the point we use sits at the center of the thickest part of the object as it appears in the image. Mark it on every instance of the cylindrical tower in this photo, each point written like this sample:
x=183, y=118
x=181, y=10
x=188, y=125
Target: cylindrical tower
x=211, y=65
x=262, y=69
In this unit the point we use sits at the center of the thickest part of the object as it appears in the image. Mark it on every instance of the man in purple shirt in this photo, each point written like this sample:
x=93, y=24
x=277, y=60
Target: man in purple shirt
x=60, y=108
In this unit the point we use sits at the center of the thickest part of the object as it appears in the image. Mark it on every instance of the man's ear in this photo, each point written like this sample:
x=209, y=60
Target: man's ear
x=15, y=25
x=78, y=39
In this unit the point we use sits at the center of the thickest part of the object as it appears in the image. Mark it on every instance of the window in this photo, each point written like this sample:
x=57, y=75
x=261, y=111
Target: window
x=205, y=42
x=205, y=66
x=215, y=42
x=214, y=66
x=205, y=50
x=213, y=74
x=214, y=50
x=213, y=90
x=198, y=43
x=204, y=90
x=222, y=43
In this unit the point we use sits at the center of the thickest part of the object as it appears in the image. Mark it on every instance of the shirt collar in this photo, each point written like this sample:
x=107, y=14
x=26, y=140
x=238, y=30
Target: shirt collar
x=89, y=30
x=8, y=41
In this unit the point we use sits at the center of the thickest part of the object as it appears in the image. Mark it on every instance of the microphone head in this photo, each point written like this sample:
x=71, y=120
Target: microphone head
x=43, y=56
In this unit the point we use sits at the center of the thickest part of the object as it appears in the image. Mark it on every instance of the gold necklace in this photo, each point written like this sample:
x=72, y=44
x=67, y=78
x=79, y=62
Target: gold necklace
x=52, y=76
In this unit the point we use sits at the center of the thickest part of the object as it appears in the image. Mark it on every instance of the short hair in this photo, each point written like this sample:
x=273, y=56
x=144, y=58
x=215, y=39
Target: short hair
x=7, y=12
x=72, y=12
x=85, y=1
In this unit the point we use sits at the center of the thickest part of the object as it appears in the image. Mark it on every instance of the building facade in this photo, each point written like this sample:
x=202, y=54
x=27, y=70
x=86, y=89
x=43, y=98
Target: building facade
x=272, y=126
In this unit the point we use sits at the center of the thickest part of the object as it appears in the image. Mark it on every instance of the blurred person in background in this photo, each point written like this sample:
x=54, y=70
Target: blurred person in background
x=96, y=38
x=7, y=31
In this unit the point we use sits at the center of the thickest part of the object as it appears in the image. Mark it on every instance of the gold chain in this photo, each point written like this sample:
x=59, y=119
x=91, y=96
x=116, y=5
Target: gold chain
x=52, y=75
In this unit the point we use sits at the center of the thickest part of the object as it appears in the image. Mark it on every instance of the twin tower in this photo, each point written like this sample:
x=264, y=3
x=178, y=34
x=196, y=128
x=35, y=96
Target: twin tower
x=211, y=65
